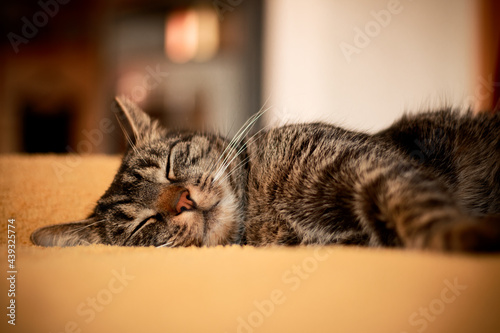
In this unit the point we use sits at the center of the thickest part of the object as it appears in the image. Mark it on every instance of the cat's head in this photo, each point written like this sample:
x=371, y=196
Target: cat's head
x=172, y=189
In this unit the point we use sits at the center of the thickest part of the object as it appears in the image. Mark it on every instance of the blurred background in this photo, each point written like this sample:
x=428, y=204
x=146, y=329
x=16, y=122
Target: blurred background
x=211, y=64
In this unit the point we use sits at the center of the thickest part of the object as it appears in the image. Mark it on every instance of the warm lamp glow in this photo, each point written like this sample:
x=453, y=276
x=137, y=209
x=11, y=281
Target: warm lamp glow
x=208, y=32
x=132, y=84
x=191, y=34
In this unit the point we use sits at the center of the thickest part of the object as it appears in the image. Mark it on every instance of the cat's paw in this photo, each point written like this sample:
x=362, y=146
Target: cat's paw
x=471, y=235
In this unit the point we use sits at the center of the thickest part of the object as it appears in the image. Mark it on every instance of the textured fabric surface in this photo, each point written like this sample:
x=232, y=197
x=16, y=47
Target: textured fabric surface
x=222, y=289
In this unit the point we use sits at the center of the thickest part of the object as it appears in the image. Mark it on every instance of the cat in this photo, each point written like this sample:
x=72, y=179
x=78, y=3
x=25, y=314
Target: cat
x=431, y=181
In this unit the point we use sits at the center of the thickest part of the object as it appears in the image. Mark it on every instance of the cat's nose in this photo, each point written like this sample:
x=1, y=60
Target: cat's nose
x=184, y=203
x=175, y=200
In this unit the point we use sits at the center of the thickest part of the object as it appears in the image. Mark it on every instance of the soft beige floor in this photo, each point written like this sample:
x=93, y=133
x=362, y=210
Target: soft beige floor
x=223, y=289
x=45, y=189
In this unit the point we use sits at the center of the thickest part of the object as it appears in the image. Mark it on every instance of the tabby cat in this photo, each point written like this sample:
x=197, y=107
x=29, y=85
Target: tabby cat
x=430, y=181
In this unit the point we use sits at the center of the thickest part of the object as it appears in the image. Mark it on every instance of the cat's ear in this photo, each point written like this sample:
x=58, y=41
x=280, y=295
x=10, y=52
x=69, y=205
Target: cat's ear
x=142, y=127
x=83, y=232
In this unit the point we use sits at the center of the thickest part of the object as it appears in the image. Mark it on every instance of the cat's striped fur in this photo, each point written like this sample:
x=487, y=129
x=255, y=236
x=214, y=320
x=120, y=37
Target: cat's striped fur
x=430, y=181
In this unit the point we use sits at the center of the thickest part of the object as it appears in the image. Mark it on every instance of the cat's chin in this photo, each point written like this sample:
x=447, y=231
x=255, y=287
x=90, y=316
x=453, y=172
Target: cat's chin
x=221, y=233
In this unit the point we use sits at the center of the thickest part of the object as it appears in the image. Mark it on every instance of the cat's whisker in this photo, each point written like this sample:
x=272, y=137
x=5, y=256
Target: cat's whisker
x=236, y=142
x=236, y=168
x=212, y=166
x=226, y=150
x=86, y=226
x=222, y=170
x=173, y=240
x=231, y=147
x=167, y=244
x=250, y=140
x=240, y=134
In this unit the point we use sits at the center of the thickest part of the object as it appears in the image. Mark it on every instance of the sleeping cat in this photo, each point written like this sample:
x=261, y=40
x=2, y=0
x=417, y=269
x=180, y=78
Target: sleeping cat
x=430, y=181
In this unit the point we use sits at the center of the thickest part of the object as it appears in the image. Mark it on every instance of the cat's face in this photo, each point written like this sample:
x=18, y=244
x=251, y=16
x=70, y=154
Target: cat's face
x=172, y=189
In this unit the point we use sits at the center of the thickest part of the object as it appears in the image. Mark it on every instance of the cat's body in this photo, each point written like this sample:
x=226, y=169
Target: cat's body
x=430, y=181
x=329, y=185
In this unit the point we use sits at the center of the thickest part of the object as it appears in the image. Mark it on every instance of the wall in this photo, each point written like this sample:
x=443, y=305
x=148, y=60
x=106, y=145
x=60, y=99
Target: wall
x=363, y=63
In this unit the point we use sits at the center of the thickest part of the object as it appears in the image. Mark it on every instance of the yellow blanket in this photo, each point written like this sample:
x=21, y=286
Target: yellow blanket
x=222, y=289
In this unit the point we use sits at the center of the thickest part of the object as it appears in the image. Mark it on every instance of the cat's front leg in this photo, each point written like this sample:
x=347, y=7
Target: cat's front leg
x=420, y=211
x=473, y=234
